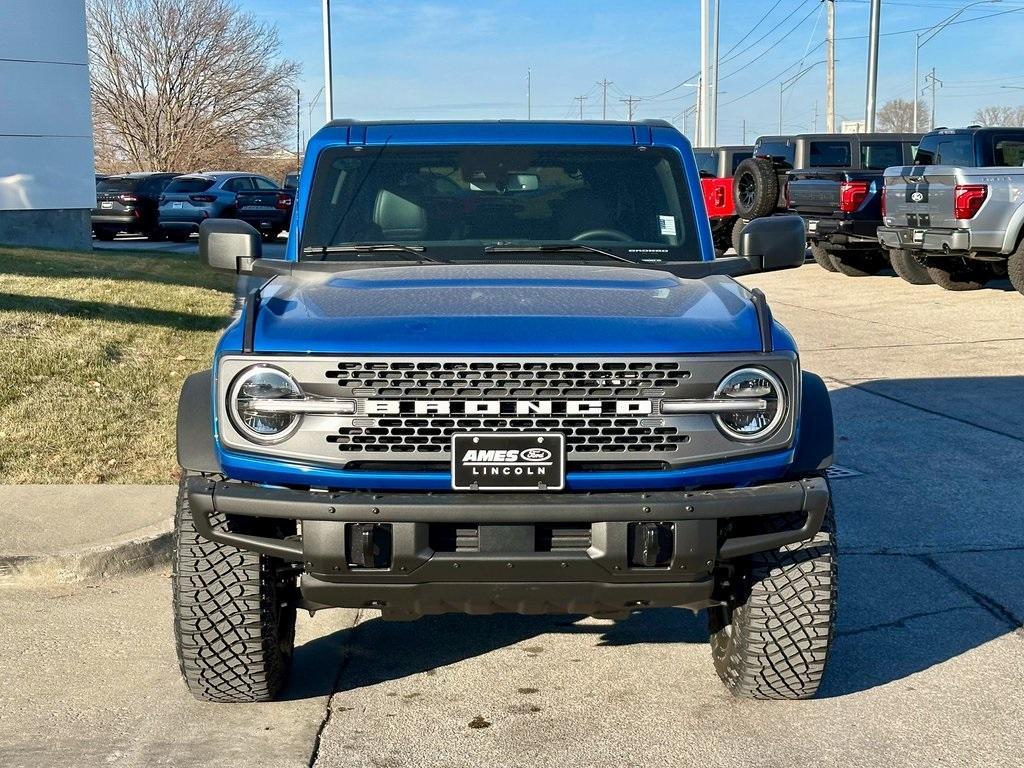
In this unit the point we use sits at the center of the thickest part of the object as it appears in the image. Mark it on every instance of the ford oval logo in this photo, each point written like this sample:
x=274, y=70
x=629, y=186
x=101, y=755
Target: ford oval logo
x=535, y=454
x=917, y=197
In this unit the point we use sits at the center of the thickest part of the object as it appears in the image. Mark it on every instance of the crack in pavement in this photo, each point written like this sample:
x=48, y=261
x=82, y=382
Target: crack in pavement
x=922, y=409
x=900, y=623
x=329, y=709
x=993, y=607
x=856, y=319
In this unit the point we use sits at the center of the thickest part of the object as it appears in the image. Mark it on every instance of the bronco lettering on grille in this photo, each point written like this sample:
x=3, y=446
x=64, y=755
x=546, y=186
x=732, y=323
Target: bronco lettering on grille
x=501, y=407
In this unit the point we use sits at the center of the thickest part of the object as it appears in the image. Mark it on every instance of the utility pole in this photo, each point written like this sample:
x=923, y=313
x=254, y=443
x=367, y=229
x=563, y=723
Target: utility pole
x=814, y=124
x=934, y=82
x=604, y=98
x=703, y=101
x=869, y=106
x=328, y=81
x=629, y=101
x=580, y=99
x=713, y=104
x=529, y=94
x=830, y=70
x=744, y=131
x=298, y=127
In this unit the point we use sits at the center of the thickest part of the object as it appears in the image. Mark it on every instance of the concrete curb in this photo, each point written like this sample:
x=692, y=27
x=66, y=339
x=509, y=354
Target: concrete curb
x=139, y=551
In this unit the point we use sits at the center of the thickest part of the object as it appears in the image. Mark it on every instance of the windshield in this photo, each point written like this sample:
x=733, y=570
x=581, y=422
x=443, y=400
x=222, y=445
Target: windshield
x=455, y=202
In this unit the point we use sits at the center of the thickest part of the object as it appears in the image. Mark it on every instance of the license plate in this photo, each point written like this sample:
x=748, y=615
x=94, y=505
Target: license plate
x=511, y=461
x=106, y=204
x=812, y=226
x=177, y=205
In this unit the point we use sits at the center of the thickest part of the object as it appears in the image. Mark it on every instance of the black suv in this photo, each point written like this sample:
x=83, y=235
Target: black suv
x=129, y=203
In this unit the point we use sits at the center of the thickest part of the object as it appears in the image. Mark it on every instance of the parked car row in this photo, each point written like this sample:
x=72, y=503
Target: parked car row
x=173, y=205
x=944, y=207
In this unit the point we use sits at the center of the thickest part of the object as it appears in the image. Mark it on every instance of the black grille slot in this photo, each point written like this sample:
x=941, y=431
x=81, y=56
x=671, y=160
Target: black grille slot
x=454, y=538
x=562, y=538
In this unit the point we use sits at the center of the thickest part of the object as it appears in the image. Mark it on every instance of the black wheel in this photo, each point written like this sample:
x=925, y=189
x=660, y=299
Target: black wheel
x=1015, y=268
x=822, y=258
x=772, y=639
x=156, y=235
x=959, y=274
x=104, y=233
x=737, y=231
x=234, y=615
x=178, y=235
x=755, y=188
x=857, y=263
x=909, y=267
x=269, y=237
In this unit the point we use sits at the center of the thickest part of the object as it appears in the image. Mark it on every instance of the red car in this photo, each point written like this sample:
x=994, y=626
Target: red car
x=717, y=166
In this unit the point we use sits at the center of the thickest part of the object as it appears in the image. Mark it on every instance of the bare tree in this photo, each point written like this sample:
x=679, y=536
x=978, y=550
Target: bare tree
x=180, y=85
x=1001, y=116
x=897, y=116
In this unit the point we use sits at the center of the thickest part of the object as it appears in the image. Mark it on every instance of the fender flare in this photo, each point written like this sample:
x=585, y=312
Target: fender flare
x=196, y=450
x=815, y=443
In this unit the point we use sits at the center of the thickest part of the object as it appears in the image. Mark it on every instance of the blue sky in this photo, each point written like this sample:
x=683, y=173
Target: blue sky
x=441, y=59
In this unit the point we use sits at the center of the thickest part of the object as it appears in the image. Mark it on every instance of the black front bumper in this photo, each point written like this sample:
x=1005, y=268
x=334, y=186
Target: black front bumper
x=508, y=571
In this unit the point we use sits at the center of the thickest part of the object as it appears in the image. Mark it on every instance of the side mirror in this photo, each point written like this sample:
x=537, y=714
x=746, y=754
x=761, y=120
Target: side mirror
x=230, y=245
x=775, y=242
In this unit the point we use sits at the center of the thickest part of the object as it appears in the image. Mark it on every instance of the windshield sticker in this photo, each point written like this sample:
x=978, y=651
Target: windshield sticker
x=667, y=225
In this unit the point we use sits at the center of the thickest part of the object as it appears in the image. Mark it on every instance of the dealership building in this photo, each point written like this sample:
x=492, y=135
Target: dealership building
x=47, y=183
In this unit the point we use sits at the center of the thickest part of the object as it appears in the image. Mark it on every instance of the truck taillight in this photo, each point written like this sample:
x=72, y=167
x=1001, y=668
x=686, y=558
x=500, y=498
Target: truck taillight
x=283, y=202
x=127, y=198
x=851, y=195
x=967, y=200
x=202, y=198
x=883, y=202
x=789, y=201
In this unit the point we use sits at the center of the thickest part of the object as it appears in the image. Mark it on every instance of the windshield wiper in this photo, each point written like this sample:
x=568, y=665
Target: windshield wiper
x=556, y=248
x=412, y=252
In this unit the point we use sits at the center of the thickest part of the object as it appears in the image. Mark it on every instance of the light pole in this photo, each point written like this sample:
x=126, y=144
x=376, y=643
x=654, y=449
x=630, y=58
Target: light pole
x=924, y=37
x=785, y=85
x=328, y=82
x=872, y=89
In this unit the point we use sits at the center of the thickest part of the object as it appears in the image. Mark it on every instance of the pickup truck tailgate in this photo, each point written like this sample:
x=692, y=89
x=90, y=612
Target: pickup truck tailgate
x=920, y=196
x=814, y=193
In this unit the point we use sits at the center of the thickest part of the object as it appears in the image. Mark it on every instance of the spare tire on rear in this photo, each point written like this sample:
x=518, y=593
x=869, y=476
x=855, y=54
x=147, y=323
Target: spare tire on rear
x=755, y=188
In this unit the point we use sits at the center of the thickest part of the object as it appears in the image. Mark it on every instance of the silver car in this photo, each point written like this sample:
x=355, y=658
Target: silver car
x=189, y=200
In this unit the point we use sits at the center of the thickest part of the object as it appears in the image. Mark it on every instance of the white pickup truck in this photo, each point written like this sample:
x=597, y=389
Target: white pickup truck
x=956, y=217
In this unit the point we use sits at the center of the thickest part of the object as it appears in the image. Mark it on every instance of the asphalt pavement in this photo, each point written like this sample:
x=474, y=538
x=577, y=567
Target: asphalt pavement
x=926, y=669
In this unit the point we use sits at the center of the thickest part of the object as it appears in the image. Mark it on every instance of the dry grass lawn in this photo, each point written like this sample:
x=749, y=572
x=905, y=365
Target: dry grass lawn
x=93, y=351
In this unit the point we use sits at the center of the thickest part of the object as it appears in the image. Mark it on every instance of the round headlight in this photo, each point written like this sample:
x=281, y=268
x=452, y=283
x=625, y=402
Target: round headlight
x=262, y=382
x=748, y=386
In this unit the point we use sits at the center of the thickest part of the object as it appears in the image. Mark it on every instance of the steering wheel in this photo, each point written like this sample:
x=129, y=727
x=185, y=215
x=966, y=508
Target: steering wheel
x=603, y=234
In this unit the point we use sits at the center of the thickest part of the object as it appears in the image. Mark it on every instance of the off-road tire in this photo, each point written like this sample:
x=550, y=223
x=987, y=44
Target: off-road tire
x=907, y=266
x=737, y=232
x=178, y=235
x=156, y=235
x=958, y=274
x=1015, y=268
x=755, y=188
x=234, y=619
x=772, y=640
x=104, y=233
x=821, y=256
x=857, y=263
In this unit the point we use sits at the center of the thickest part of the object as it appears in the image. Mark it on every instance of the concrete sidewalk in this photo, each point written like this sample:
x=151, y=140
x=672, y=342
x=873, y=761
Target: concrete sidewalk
x=62, y=533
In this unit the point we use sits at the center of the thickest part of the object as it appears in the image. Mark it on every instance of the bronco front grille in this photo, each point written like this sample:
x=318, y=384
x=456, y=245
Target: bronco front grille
x=529, y=394
x=552, y=379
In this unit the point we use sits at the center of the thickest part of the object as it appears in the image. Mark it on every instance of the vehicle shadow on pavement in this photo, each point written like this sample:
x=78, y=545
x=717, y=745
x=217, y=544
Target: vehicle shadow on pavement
x=931, y=543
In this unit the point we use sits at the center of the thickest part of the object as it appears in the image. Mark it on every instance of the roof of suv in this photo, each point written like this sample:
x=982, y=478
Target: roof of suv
x=877, y=136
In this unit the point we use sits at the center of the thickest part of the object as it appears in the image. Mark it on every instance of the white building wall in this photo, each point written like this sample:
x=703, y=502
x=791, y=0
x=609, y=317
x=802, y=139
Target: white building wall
x=46, y=153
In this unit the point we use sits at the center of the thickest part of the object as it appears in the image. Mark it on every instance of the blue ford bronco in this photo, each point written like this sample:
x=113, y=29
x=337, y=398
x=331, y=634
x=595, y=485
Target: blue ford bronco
x=500, y=370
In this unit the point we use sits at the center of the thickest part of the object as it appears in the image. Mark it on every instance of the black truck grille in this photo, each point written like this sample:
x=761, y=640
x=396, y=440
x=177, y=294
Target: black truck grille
x=519, y=379
x=550, y=379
